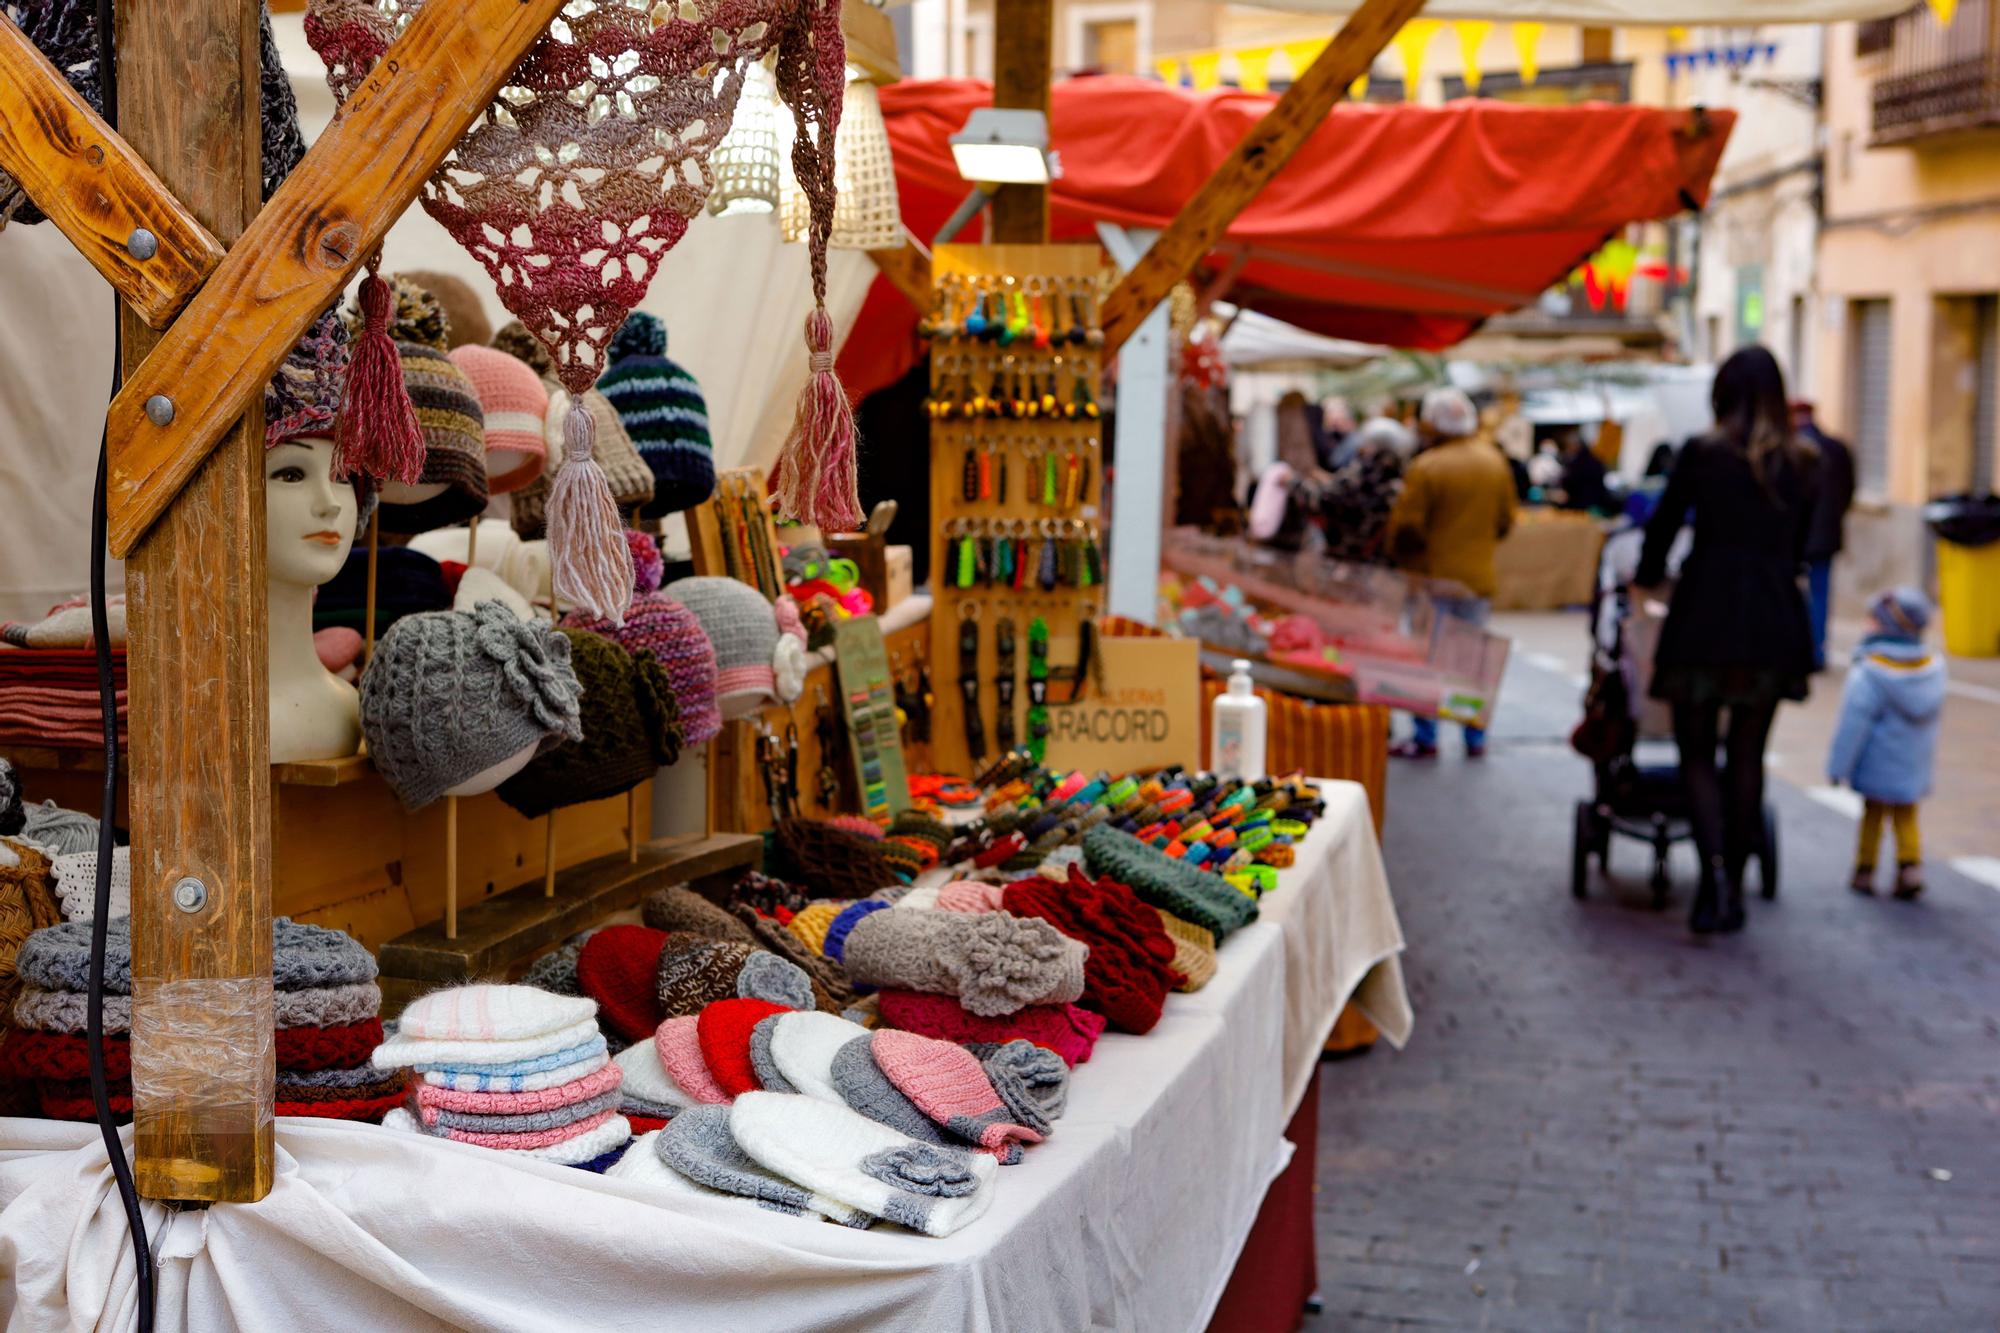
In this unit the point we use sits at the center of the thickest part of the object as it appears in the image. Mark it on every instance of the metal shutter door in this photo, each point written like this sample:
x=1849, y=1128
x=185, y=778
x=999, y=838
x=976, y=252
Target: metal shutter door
x=1868, y=389
x=1987, y=351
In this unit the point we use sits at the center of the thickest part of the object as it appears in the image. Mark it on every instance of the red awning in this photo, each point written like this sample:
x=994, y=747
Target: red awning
x=1398, y=224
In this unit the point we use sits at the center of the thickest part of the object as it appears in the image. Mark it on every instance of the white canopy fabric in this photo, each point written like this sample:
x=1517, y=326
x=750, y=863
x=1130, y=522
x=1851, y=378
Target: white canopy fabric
x=1259, y=342
x=1626, y=13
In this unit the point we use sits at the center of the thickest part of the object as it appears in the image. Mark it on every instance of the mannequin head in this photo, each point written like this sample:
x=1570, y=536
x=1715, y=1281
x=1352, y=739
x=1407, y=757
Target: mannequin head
x=309, y=517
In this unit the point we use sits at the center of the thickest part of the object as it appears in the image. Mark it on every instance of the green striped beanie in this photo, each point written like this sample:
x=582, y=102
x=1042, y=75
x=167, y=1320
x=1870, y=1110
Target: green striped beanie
x=663, y=411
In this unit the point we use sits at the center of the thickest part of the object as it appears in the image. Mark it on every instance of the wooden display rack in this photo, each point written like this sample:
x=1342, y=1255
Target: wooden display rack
x=1064, y=609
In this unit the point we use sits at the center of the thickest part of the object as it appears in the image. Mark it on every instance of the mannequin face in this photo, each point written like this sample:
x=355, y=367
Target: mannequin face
x=309, y=517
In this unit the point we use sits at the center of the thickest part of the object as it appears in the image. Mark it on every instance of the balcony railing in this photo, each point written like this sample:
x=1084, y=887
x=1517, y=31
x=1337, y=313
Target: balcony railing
x=1938, y=80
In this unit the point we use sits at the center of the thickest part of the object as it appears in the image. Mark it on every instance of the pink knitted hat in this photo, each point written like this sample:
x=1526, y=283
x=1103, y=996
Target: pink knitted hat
x=605, y=1078
x=1067, y=1030
x=969, y=895
x=947, y=1083
x=516, y=402
x=679, y=1045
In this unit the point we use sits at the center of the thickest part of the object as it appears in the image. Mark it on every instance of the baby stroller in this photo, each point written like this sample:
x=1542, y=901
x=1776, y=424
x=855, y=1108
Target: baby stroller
x=1628, y=736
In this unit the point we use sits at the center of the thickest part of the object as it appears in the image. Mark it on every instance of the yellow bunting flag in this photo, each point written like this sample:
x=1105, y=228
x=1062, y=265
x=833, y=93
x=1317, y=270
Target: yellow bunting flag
x=1302, y=54
x=1253, y=69
x=1943, y=10
x=1527, y=36
x=1205, y=70
x=1471, y=33
x=1169, y=70
x=1411, y=44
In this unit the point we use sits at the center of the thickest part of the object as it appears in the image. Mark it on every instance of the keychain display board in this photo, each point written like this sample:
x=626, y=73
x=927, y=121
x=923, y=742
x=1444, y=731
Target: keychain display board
x=868, y=705
x=1017, y=476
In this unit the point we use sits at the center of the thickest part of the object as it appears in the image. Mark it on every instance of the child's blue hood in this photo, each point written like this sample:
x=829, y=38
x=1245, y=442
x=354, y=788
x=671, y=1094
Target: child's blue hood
x=1911, y=676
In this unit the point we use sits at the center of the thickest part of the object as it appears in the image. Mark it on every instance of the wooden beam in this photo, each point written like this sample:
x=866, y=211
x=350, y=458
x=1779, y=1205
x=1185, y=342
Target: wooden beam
x=1023, y=59
x=1239, y=177
x=908, y=270
x=871, y=41
x=95, y=189
x=297, y=255
x=200, y=786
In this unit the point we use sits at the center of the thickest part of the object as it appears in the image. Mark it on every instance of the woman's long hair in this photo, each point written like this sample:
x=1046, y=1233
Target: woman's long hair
x=1752, y=412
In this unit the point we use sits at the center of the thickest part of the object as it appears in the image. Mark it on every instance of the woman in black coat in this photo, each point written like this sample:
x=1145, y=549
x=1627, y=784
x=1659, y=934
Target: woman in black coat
x=1737, y=637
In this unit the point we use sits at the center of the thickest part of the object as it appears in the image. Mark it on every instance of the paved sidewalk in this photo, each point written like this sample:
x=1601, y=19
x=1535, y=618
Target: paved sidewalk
x=1602, y=1123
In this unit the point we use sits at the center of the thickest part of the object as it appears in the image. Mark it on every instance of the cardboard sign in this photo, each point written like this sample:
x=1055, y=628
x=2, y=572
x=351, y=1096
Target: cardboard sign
x=1142, y=711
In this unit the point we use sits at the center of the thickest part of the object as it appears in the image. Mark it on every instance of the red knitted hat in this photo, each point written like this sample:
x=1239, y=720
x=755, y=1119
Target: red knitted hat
x=1130, y=968
x=1069, y=1031
x=344, y=1108
x=343, y=1046
x=70, y=1099
x=27, y=1054
x=617, y=968
x=723, y=1029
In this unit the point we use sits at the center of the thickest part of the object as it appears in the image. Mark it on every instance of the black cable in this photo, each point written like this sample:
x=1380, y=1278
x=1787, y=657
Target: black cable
x=107, y=705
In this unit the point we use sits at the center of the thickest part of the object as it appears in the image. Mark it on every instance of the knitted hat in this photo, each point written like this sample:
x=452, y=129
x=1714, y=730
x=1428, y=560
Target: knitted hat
x=994, y=963
x=556, y=970
x=1174, y=886
x=810, y=925
x=662, y=410
x=658, y=624
x=616, y=968
x=450, y=695
x=1130, y=966
x=765, y=1069
x=829, y=981
x=454, y=431
x=834, y=946
x=1902, y=611
x=631, y=484
x=1067, y=1030
x=491, y=1013
x=833, y=863
x=1194, y=951
x=303, y=958
x=646, y=1080
x=865, y=1088
x=678, y=1044
x=561, y=1058
x=629, y=730
x=969, y=895
x=838, y=1153
x=26, y=907
x=744, y=632
x=947, y=1084
x=303, y=395
x=765, y=976
x=699, y=1144
x=406, y=582
x=723, y=1028
x=693, y=971
x=679, y=908
x=1027, y=1077
x=465, y=318
x=514, y=403
x=803, y=1046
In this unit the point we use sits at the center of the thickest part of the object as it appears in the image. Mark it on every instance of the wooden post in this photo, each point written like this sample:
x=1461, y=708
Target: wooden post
x=632, y=826
x=202, y=1012
x=1238, y=178
x=1023, y=56
x=472, y=542
x=451, y=867
x=549, y=860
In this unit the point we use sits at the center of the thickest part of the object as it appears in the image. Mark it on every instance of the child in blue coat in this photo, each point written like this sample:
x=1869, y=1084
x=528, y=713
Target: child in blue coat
x=1887, y=739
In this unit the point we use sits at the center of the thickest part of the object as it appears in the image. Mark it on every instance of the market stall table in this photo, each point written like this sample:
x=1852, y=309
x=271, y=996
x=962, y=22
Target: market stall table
x=1132, y=1215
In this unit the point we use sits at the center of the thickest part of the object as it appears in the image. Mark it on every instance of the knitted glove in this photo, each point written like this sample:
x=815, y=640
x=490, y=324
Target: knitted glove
x=994, y=963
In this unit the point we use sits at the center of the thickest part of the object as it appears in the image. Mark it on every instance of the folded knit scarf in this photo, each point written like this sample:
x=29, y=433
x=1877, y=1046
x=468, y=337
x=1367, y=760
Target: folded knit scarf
x=1193, y=895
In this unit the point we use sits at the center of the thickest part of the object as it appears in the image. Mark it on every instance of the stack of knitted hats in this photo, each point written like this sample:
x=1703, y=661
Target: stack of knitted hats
x=326, y=1014
x=974, y=976
x=511, y=1068
x=659, y=625
x=630, y=722
x=663, y=411
x=26, y=905
x=453, y=485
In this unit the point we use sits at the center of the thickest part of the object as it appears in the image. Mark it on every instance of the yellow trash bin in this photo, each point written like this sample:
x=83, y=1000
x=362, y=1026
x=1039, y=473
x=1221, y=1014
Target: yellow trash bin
x=1968, y=560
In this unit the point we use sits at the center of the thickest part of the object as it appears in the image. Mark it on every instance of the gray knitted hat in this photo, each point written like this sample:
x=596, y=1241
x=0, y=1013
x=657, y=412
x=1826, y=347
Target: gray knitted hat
x=743, y=627
x=994, y=962
x=302, y=958
x=765, y=976
x=698, y=1144
x=868, y=1090
x=769, y=1077
x=526, y=1122
x=450, y=694
x=1025, y=1075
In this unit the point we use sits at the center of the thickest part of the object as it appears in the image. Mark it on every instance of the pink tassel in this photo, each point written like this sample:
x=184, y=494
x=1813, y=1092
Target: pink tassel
x=377, y=434
x=591, y=563
x=816, y=480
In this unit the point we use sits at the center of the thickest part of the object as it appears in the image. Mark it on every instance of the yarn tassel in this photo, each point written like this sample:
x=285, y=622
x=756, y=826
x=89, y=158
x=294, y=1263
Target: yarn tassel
x=377, y=434
x=591, y=563
x=816, y=471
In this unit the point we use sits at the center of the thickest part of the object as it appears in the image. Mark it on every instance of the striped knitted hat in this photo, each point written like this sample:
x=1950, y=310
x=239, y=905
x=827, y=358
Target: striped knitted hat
x=449, y=415
x=660, y=625
x=515, y=404
x=744, y=631
x=664, y=413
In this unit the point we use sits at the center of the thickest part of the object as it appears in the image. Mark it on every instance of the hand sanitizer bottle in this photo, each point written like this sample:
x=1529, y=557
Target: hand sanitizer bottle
x=1237, y=730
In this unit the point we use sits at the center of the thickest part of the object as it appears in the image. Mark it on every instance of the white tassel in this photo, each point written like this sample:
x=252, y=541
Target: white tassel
x=591, y=564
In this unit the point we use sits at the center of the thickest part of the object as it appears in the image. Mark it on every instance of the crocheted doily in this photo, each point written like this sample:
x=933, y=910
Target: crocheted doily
x=76, y=884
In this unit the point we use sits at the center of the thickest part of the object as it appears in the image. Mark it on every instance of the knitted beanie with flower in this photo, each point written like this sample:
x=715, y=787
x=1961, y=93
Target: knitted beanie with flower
x=630, y=728
x=993, y=963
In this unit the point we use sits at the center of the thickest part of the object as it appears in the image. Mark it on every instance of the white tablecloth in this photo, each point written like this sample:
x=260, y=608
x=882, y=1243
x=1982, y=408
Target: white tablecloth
x=1129, y=1217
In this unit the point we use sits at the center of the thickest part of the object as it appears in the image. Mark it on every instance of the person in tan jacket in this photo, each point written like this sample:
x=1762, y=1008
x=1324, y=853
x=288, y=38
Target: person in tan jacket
x=1457, y=505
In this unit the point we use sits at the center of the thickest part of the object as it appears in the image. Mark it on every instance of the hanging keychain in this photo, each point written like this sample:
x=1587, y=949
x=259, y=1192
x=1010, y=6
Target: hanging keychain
x=1003, y=684
x=1083, y=405
x=968, y=681
x=1077, y=334
x=1021, y=551
x=1045, y=573
x=1049, y=476
x=1000, y=481
x=1072, y=478
x=1038, y=688
x=969, y=474
x=1039, y=317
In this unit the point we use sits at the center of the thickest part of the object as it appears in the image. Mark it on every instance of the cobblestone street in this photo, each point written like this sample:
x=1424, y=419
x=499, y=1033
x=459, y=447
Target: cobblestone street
x=1602, y=1123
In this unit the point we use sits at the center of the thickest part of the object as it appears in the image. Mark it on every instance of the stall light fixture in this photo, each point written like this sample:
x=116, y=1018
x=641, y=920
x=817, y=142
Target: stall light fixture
x=1005, y=146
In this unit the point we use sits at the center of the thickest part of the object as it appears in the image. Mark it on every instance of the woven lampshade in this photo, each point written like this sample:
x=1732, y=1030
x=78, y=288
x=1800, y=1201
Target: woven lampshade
x=745, y=163
x=866, y=214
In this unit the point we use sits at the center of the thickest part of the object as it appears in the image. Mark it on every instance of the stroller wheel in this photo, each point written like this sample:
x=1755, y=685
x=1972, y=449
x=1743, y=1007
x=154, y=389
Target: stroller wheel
x=1767, y=855
x=1580, y=847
